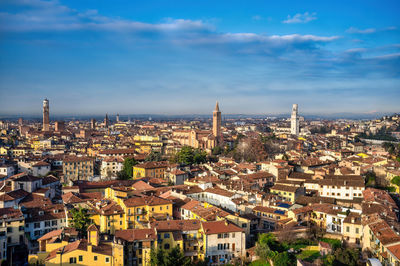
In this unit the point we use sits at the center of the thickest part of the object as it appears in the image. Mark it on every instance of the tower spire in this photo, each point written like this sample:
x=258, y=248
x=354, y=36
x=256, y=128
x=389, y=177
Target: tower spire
x=217, y=107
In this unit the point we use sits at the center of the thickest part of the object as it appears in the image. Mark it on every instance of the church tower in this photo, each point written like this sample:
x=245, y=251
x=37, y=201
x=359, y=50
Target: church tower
x=217, y=123
x=294, y=121
x=46, y=114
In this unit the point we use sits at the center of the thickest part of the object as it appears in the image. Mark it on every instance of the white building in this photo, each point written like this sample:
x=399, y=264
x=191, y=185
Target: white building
x=294, y=121
x=111, y=166
x=40, y=168
x=224, y=241
x=218, y=197
x=342, y=187
x=7, y=170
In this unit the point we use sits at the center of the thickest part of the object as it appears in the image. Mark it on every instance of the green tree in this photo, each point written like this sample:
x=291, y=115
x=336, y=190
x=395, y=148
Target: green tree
x=188, y=155
x=80, y=220
x=127, y=169
x=396, y=180
x=176, y=257
x=154, y=156
x=157, y=257
x=347, y=256
x=370, y=179
x=283, y=259
x=217, y=150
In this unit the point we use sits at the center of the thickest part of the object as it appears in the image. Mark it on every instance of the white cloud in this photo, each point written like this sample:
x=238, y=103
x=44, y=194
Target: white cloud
x=300, y=18
x=257, y=17
x=365, y=31
x=369, y=30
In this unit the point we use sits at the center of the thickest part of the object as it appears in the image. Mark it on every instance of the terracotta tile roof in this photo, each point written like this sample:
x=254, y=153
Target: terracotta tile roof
x=18, y=194
x=284, y=188
x=176, y=225
x=117, y=151
x=151, y=165
x=219, y=227
x=302, y=210
x=76, y=159
x=35, y=200
x=384, y=232
x=220, y=191
x=146, y=200
x=49, y=180
x=106, y=207
x=26, y=178
x=41, y=163
x=141, y=185
x=58, y=233
x=44, y=213
x=395, y=250
x=131, y=235
x=11, y=213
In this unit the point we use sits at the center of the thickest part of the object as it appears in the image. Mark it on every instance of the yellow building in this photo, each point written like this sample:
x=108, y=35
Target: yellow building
x=150, y=169
x=12, y=229
x=182, y=233
x=133, y=246
x=352, y=229
x=108, y=215
x=83, y=252
x=140, y=210
x=288, y=193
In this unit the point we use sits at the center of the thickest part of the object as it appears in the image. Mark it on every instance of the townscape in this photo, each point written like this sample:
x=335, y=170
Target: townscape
x=206, y=191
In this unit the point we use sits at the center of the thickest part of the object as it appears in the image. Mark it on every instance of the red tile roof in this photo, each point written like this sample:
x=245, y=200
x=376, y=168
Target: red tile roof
x=219, y=227
x=131, y=235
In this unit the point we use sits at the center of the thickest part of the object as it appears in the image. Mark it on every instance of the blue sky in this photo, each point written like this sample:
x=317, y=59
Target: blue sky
x=179, y=57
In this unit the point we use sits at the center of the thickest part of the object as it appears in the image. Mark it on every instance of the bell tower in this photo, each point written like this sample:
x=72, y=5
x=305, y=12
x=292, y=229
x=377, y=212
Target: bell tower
x=217, y=123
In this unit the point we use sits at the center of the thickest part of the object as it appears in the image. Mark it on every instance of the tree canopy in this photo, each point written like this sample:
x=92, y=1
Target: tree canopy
x=154, y=156
x=188, y=155
x=80, y=220
x=159, y=257
x=396, y=180
x=127, y=170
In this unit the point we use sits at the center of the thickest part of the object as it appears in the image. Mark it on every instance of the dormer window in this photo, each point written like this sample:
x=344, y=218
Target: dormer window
x=41, y=212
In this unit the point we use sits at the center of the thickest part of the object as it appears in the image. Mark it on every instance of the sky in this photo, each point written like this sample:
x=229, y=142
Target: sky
x=180, y=57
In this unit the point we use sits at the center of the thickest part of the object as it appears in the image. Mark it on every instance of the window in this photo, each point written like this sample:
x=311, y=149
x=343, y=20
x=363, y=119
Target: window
x=53, y=223
x=9, y=230
x=72, y=260
x=244, y=225
x=219, y=235
x=357, y=231
x=233, y=235
x=347, y=229
x=226, y=235
x=166, y=235
x=107, y=259
x=80, y=258
x=47, y=223
x=166, y=246
x=36, y=225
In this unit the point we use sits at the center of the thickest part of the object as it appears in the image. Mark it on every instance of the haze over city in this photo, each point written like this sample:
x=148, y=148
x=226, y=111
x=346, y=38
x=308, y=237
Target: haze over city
x=179, y=57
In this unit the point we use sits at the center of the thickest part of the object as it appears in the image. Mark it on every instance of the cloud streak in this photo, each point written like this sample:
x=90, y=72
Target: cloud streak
x=354, y=30
x=300, y=18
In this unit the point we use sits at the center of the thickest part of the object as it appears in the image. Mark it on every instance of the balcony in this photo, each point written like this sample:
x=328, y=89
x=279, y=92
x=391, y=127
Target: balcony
x=191, y=253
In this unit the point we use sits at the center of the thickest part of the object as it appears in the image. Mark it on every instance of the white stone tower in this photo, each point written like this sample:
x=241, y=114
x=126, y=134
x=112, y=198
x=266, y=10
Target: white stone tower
x=46, y=115
x=294, y=120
